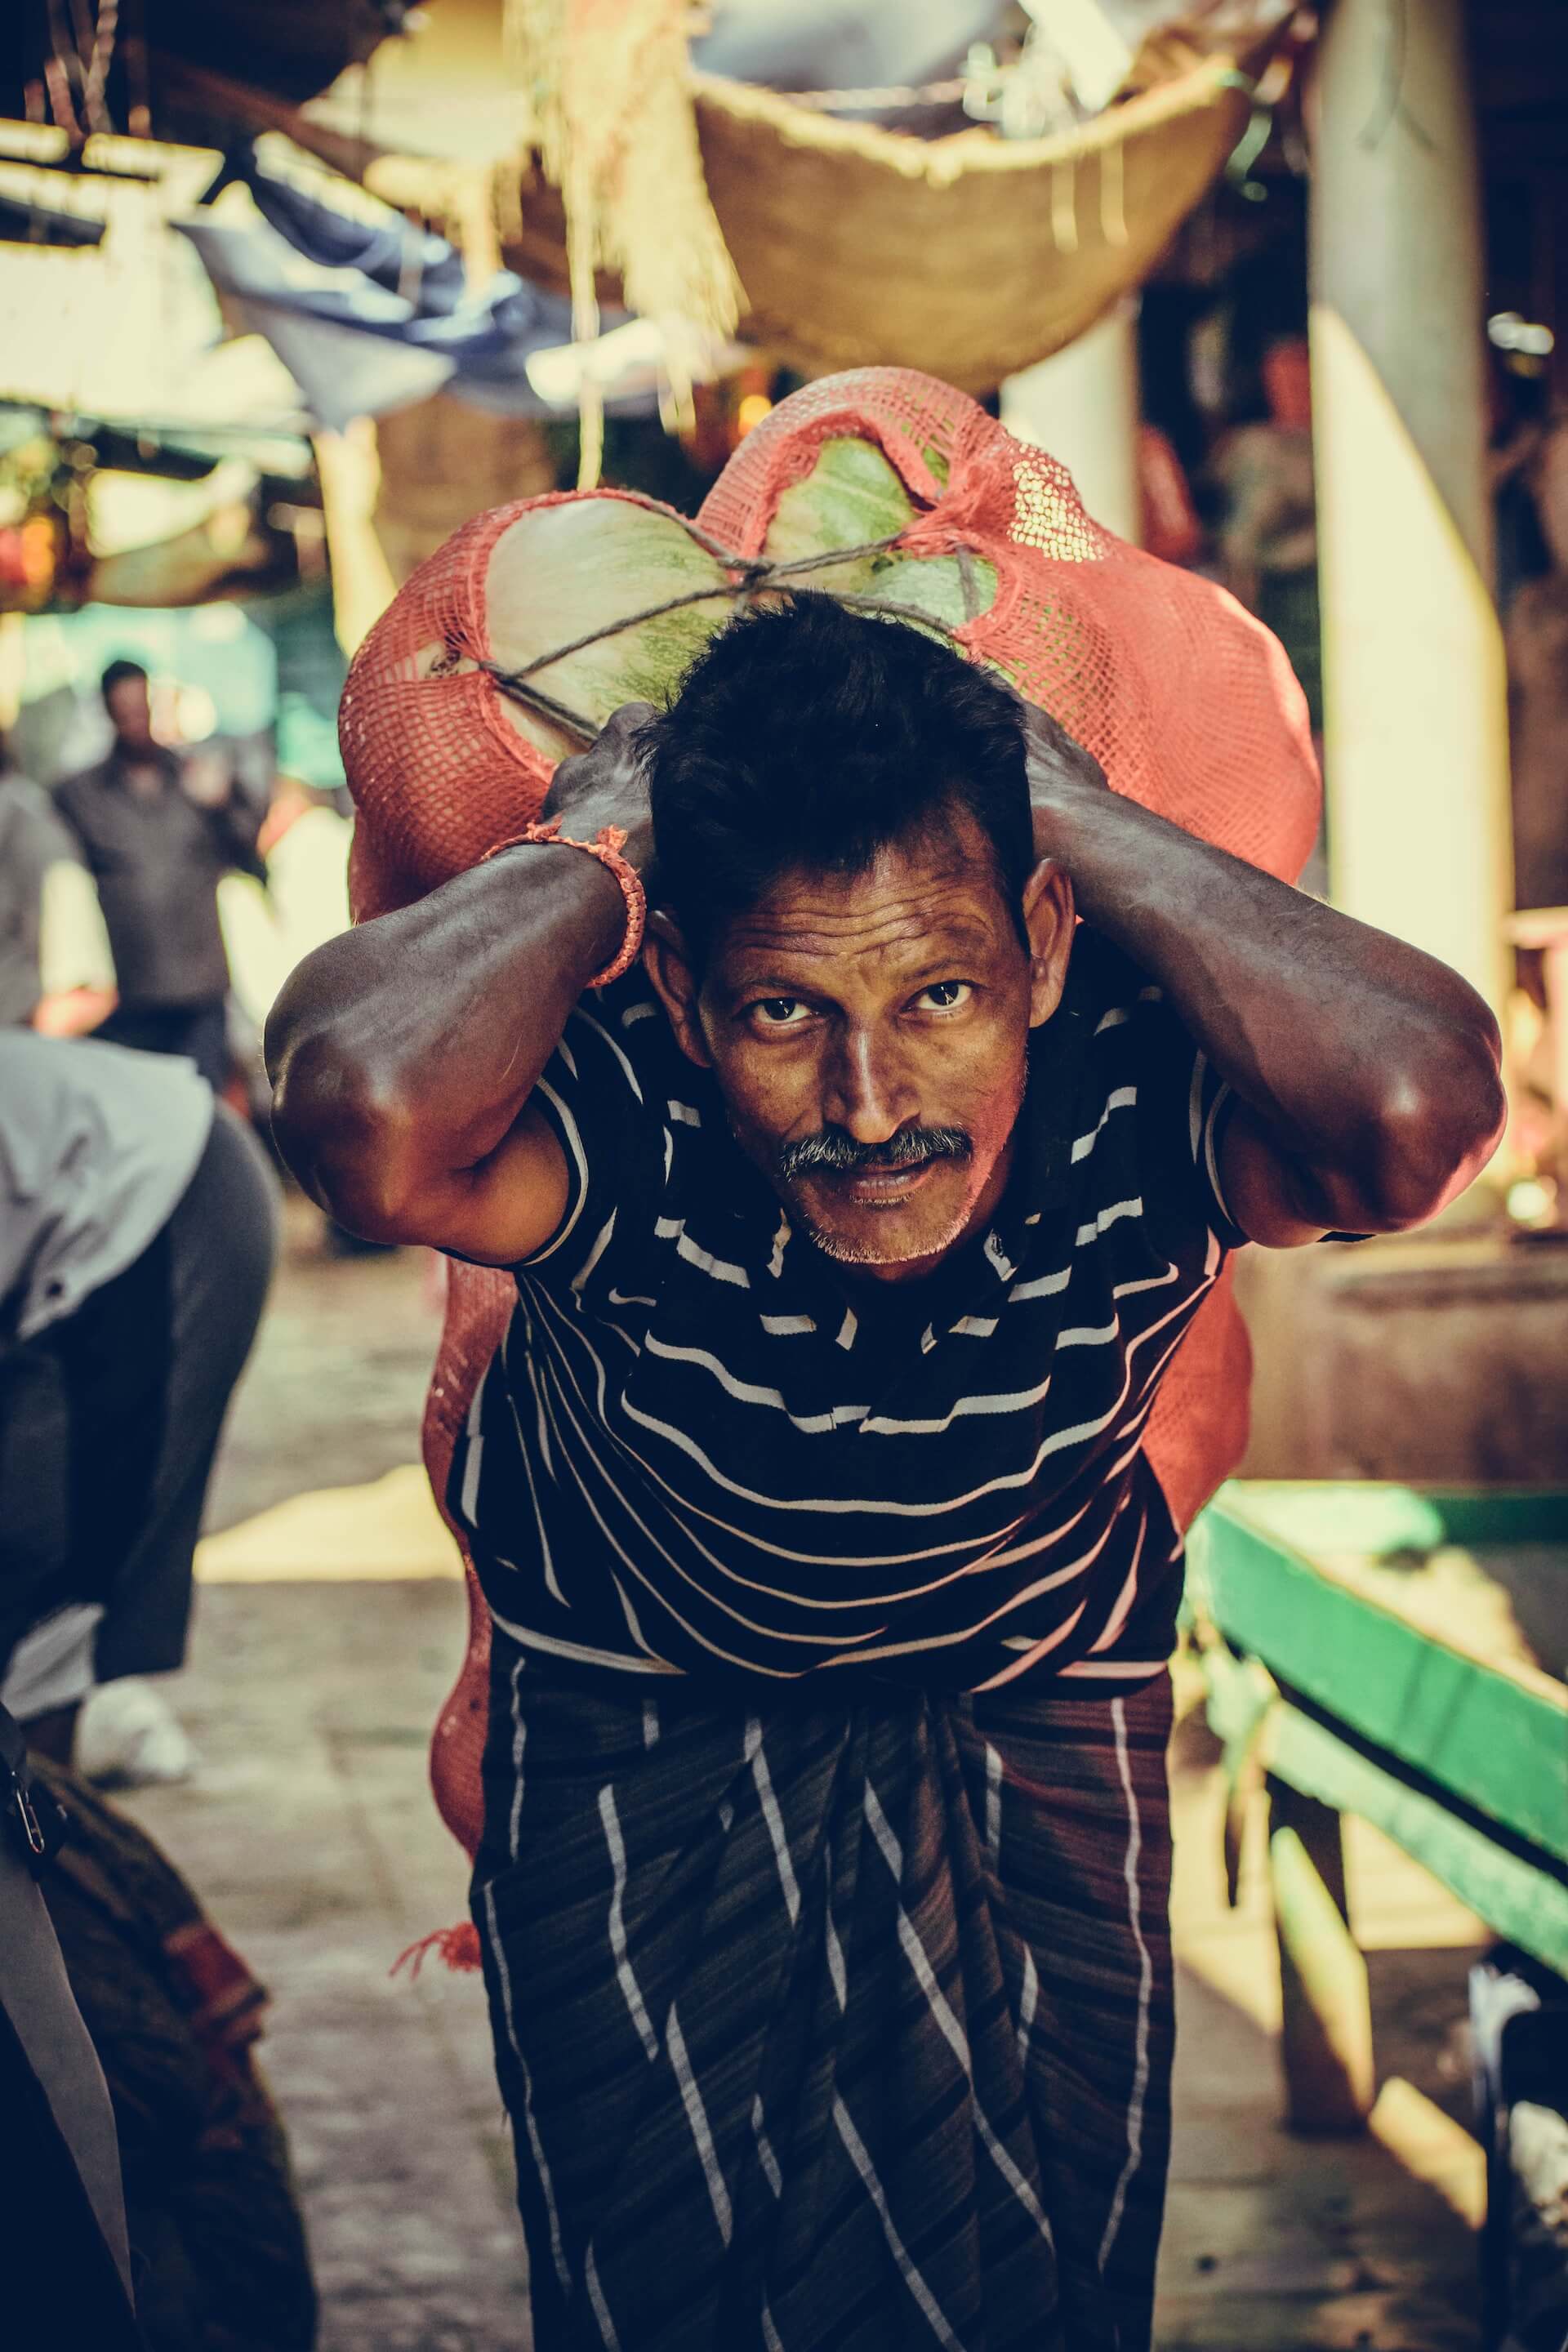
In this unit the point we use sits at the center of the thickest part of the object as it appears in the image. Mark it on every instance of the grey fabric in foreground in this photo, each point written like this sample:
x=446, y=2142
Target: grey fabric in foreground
x=837, y=2025
x=97, y=1145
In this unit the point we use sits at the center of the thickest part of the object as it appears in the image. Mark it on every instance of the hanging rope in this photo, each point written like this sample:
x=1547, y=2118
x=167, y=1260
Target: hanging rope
x=98, y=62
x=753, y=576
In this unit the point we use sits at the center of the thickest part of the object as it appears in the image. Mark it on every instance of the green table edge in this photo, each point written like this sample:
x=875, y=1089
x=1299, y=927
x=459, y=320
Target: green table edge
x=1524, y=1905
x=1497, y=1744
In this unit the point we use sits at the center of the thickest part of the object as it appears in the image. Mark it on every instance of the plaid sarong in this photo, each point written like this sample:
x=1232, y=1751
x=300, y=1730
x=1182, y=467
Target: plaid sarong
x=841, y=2023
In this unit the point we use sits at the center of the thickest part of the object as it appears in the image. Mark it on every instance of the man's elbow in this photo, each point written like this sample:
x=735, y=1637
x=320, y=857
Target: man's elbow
x=345, y=1133
x=1437, y=1133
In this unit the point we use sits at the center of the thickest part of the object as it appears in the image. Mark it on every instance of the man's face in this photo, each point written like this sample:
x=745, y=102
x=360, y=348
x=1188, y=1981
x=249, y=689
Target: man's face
x=869, y=1034
x=131, y=713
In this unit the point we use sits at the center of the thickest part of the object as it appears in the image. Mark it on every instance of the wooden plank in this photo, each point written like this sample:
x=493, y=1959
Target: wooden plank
x=1326, y=2023
x=1520, y=1901
x=1496, y=1743
x=1456, y=1595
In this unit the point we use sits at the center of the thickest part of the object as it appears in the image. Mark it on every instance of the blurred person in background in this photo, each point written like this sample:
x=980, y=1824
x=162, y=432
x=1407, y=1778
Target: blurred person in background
x=1537, y=638
x=1517, y=424
x=56, y=972
x=1267, y=534
x=159, y=830
x=138, y=1232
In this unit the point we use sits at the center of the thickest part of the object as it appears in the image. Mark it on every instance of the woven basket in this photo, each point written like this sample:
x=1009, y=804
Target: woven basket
x=968, y=257
x=443, y=460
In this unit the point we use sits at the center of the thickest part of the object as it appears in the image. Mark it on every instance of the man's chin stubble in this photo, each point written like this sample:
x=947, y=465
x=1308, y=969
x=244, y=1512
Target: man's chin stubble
x=844, y=1250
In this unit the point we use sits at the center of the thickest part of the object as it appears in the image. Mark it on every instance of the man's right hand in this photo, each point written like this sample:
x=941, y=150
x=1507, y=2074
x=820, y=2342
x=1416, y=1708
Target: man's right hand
x=607, y=785
x=405, y=1053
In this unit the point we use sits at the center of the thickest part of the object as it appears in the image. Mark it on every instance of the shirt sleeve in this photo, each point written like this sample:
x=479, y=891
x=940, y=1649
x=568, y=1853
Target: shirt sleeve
x=235, y=826
x=598, y=1095
x=1186, y=1107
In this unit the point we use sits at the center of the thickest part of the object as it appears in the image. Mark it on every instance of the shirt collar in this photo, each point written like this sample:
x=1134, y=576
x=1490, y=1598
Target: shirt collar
x=159, y=756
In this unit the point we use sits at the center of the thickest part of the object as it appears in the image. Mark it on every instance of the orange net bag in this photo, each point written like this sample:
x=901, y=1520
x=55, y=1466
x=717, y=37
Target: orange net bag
x=518, y=637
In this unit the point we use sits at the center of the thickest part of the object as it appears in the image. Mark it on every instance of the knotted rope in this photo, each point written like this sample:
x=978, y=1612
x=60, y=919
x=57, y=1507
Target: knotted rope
x=752, y=576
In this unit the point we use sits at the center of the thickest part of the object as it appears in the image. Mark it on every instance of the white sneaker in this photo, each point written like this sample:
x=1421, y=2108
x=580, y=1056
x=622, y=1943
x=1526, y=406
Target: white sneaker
x=128, y=1737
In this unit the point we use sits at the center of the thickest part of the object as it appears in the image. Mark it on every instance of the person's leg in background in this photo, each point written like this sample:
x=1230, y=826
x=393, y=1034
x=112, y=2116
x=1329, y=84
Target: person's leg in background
x=121, y=1415
x=47, y=1624
x=221, y=1245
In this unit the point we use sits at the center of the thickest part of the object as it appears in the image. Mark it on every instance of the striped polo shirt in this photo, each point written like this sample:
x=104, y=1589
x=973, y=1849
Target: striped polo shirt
x=703, y=1447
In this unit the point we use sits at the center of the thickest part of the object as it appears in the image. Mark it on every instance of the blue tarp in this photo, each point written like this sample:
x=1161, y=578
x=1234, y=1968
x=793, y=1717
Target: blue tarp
x=369, y=318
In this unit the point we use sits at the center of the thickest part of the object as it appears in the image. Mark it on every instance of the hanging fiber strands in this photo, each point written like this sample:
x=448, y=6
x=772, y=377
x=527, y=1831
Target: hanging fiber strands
x=608, y=93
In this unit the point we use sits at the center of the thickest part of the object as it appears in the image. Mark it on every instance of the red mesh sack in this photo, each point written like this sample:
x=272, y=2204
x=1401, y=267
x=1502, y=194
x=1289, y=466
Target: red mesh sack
x=899, y=494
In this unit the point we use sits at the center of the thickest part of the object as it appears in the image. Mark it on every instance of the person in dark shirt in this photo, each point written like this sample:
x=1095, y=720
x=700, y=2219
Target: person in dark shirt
x=159, y=833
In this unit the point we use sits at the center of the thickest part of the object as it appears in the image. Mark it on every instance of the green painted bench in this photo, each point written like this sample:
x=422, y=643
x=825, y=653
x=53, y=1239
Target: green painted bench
x=1352, y=1678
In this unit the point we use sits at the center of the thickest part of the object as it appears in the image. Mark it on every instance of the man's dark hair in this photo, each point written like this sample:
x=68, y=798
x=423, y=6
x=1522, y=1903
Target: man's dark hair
x=116, y=675
x=807, y=735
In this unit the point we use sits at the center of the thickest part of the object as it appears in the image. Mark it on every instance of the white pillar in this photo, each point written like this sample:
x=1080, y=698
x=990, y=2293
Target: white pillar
x=1081, y=404
x=1415, y=690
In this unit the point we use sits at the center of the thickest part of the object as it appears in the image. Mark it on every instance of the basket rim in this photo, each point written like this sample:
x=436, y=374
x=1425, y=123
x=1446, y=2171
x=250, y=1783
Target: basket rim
x=1195, y=91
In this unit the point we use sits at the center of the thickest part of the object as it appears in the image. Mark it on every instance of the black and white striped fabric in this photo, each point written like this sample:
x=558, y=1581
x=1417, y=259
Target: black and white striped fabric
x=701, y=1448
x=837, y=2022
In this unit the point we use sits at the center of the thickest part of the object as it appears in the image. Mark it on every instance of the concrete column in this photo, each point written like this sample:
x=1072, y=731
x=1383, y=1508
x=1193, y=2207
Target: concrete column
x=1081, y=404
x=1415, y=690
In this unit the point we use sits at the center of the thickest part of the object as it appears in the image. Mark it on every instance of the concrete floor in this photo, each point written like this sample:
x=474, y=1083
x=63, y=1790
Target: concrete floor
x=330, y=1623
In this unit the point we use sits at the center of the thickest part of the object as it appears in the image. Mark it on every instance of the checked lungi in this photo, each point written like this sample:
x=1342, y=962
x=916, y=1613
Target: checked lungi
x=830, y=2020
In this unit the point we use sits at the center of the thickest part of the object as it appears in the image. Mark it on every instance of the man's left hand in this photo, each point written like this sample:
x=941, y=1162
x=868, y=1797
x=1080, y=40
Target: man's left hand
x=1060, y=770
x=1367, y=1072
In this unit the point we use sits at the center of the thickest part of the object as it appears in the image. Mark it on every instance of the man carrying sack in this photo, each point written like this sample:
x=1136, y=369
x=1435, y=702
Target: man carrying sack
x=824, y=1887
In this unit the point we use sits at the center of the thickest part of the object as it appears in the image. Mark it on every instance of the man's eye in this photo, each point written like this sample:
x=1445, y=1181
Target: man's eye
x=946, y=995
x=779, y=1013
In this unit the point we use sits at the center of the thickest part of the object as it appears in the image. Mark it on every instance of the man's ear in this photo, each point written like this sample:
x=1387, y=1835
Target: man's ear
x=1050, y=919
x=668, y=966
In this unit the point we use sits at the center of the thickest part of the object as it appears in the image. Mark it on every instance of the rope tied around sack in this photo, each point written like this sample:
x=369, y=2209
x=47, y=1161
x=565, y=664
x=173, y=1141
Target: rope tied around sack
x=754, y=575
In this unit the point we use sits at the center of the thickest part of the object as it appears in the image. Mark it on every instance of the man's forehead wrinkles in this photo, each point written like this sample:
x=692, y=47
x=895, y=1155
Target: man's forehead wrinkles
x=927, y=921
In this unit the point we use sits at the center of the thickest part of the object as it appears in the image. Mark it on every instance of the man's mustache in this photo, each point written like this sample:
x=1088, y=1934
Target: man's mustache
x=836, y=1152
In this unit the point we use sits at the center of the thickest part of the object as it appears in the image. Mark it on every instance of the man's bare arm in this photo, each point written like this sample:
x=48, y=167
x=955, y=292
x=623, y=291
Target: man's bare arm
x=1368, y=1072
x=404, y=1053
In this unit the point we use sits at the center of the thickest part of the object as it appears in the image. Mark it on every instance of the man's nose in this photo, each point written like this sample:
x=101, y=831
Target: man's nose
x=867, y=1091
